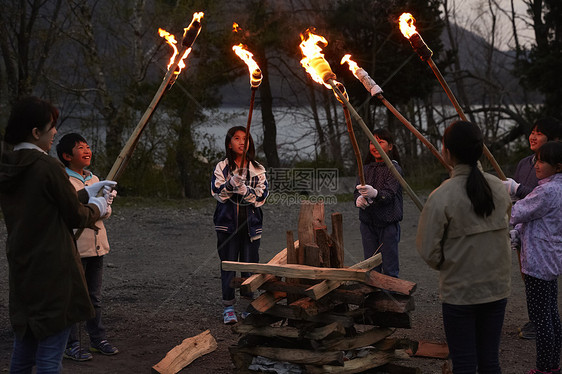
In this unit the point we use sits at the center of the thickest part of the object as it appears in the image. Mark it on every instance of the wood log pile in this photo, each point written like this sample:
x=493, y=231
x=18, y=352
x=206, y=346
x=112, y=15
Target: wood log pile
x=316, y=316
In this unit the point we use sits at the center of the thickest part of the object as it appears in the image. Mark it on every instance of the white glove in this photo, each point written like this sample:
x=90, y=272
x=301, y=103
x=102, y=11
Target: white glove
x=95, y=188
x=361, y=202
x=238, y=182
x=109, y=194
x=108, y=213
x=511, y=186
x=367, y=191
x=101, y=203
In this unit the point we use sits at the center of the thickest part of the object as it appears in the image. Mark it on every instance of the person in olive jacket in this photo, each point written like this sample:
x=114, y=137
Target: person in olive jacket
x=41, y=207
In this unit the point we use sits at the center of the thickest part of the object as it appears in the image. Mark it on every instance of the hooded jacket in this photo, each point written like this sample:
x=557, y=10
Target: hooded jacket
x=47, y=286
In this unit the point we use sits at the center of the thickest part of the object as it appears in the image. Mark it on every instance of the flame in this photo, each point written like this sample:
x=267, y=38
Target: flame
x=313, y=59
x=196, y=18
x=236, y=27
x=406, y=23
x=171, y=39
x=253, y=68
x=352, y=64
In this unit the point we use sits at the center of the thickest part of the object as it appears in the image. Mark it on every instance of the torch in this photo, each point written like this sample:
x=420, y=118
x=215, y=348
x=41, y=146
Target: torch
x=376, y=91
x=321, y=72
x=174, y=68
x=409, y=31
x=255, y=81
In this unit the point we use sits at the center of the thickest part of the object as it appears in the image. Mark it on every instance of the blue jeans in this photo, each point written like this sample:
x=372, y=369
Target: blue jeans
x=93, y=270
x=473, y=335
x=46, y=354
x=235, y=247
x=389, y=236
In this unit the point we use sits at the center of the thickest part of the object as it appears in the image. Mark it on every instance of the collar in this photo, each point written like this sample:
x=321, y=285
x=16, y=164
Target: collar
x=464, y=169
x=76, y=175
x=27, y=145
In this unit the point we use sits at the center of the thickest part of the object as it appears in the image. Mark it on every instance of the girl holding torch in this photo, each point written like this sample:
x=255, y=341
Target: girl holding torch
x=381, y=205
x=538, y=218
x=463, y=232
x=238, y=217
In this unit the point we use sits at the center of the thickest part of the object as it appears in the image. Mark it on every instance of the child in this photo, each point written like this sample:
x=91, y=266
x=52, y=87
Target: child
x=238, y=216
x=380, y=202
x=75, y=154
x=48, y=291
x=463, y=233
x=525, y=180
x=539, y=221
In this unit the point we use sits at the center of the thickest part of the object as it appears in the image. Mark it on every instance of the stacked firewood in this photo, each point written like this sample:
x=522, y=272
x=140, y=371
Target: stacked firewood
x=315, y=316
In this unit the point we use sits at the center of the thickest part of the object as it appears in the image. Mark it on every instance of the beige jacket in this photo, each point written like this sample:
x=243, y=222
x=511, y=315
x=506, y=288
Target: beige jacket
x=91, y=242
x=472, y=253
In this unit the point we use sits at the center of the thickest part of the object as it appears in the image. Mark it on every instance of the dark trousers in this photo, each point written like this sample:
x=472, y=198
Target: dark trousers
x=235, y=247
x=93, y=270
x=473, y=335
x=542, y=304
x=387, y=236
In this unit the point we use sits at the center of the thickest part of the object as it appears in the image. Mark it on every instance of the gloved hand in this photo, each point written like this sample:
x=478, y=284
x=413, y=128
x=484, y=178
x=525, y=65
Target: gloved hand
x=101, y=203
x=238, y=182
x=367, y=191
x=109, y=194
x=511, y=186
x=95, y=188
x=108, y=213
x=361, y=202
x=515, y=240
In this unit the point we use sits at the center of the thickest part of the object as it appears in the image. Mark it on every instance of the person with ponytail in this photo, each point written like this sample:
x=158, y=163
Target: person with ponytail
x=463, y=232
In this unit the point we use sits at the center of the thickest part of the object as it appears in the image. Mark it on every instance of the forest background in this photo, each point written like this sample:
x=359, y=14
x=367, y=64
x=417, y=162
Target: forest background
x=101, y=62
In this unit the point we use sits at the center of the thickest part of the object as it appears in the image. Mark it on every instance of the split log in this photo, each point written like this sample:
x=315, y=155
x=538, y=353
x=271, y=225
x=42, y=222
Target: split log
x=431, y=350
x=296, y=356
x=337, y=250
x=357, y=365
x=387, y=302
x=388, y=283
x=392, y=368
x=325, y=243
x=363, y=339
x=253, y=282
x=184, y=354
x=323, y=288
x=356, y=294
x=285, y=311
x=311, y=216
x=298, y=271
x=319, y=333
x=267, y=300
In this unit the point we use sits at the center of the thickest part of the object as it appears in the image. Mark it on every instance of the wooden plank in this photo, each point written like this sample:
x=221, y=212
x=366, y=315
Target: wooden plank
x=319, y=333
x=297, y=356
x=337, y=250
x=392, y=284
x=298, y=271
x=184, y=354
x=357, y=365
x=323, y=288
x=313, y=255
x=267, y=300
x=431, y=350
x=363, y=339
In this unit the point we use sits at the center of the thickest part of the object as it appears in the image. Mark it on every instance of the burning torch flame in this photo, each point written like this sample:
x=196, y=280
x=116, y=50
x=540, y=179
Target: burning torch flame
x=253, y=68
x=172, y=42
x=406, y=22
x=236, y=27
x=352, y=64
x=313, y=59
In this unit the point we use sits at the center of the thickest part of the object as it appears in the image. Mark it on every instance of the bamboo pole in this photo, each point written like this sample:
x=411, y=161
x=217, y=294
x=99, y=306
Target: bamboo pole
x=248, y=124
x=384, y=156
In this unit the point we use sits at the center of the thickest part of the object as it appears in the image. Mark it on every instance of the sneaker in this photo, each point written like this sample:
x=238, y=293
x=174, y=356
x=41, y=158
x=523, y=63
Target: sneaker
x=76, y=353
x=245, y=315
x=229, y=316
x=528, y=331
x=104, y=348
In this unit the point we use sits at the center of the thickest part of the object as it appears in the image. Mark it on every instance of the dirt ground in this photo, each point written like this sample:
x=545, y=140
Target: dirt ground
x=161, y=285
